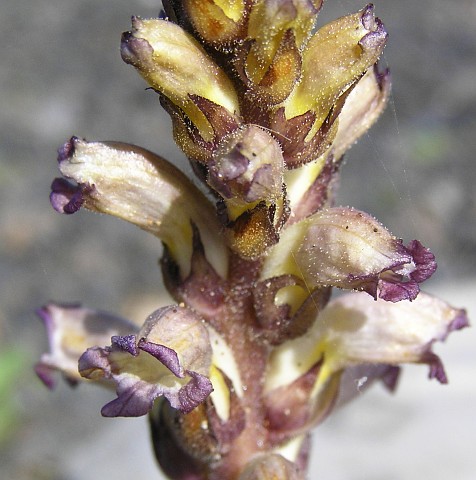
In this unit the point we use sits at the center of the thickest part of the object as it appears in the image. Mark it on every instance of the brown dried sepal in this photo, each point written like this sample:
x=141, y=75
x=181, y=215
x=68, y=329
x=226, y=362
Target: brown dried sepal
x=253, y=232
x=292, y=409
x=203, y=289
x=175, y=460
x=292, y=135
x=280, y=77
x=226, y=431
x=192, y=433
x=319, y=194
x=188, y=137
x=213, y=25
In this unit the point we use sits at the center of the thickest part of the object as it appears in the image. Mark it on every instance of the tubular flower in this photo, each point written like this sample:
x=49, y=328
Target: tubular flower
x=255, y=352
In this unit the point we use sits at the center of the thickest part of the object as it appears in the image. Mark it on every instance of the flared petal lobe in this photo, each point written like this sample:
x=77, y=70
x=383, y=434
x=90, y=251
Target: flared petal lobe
x=355, y=333
x=135, y=185
x=347, y=248
x=170, y=357
x=71, y=330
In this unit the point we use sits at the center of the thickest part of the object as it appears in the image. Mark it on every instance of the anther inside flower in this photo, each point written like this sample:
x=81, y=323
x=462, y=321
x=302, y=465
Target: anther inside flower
x=254, y=353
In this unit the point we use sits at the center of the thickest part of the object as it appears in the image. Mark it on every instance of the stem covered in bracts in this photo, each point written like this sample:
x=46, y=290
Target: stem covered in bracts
x=254, y=353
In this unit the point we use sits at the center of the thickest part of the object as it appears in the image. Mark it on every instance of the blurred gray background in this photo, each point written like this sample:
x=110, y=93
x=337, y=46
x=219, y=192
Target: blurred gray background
x=61, y=74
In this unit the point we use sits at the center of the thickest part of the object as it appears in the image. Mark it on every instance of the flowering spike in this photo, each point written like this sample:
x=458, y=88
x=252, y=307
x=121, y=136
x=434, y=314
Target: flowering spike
x=255, y=353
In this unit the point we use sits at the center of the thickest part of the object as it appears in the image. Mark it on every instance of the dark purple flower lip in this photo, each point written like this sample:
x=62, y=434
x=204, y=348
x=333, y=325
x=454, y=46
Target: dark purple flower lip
x=65, y=197
x=143, y=369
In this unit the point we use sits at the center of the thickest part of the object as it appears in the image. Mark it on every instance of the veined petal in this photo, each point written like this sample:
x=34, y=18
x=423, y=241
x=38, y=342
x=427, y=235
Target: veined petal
x=170, y=357
x=335, y=57
x=361, y=109
x=175, y=64
x=71, y=330
x=355, y=331
x=349, y=249
x=134, y=184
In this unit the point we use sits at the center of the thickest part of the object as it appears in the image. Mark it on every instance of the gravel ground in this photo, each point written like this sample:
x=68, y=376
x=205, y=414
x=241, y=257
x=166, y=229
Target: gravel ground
x=61, y=74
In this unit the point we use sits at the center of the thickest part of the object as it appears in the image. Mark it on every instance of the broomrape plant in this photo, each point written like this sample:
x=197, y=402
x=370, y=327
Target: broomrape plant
x=254, y=353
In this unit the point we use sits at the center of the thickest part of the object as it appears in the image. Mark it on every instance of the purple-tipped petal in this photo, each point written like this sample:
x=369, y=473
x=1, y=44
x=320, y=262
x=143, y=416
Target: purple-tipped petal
x=425, y=264
x=71, y=330
x=354, y=330
x=164, y=355
x=170, y=357
x=66, y=197
x=347, y=248
x=194, y=393
x=247, y=167
x=123, y=180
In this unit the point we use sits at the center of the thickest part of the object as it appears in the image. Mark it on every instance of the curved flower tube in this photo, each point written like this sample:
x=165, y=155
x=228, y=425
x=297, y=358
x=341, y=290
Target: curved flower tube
x=335, y=57
x=346, y=248
x=355, y=331
x=161, y=52
x=138, y=186
x=71, y=330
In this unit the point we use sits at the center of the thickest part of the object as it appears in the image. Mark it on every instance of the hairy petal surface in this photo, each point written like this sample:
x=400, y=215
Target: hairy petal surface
x=71, y=330
x=170, y=357
x=135, y=185
x=218, y=22
x=354, y=330
x=335, y=57
x=247, y=167
x=349, y=249
x=269, y=22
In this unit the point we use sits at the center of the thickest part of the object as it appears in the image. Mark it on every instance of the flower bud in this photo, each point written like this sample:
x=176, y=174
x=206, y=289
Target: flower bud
x=247, y=167
x=335, y=57
x=176, y=65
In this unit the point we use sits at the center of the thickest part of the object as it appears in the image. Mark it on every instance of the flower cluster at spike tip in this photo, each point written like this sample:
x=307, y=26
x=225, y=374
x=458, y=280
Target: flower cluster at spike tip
x=254, y=353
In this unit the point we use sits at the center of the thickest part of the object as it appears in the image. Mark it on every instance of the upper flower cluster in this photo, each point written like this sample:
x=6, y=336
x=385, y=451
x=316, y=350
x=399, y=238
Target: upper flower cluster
x=253, y=354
